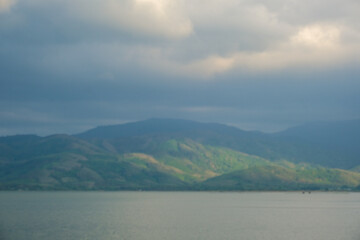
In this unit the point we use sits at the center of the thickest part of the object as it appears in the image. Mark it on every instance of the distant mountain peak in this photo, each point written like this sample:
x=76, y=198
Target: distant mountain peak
x=153, y=126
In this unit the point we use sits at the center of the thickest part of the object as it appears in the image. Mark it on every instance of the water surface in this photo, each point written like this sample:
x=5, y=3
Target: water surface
x=179, y=215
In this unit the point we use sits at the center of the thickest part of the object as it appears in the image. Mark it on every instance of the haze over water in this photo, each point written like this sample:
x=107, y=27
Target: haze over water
x=179, y=215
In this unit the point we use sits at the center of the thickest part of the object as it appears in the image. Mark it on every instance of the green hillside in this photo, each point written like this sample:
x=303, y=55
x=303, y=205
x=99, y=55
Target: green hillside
x=69, y=171
x=277, y=177
x=167, y=155
x=192, y=161
x=172, y=164
x=289, y=145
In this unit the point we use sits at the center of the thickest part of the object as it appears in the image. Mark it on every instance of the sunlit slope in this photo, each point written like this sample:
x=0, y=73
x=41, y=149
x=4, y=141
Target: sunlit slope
x=278, y=177
x=291, y=145
x=171, y=164
x=166, y=154
x=192, y=161
x=65, y=162
x=68, y=171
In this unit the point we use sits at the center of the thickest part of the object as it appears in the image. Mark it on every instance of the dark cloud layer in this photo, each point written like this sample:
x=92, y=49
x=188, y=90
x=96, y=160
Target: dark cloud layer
x=67, y=68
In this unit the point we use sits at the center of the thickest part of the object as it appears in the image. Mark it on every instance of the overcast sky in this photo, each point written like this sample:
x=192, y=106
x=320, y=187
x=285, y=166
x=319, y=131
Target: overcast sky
x=70, y=65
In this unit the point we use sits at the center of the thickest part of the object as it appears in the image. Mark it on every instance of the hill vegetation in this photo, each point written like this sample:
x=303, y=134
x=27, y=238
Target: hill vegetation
x=166, y=154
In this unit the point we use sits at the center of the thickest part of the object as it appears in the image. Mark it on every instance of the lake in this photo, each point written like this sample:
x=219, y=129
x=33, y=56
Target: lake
x=179, y=215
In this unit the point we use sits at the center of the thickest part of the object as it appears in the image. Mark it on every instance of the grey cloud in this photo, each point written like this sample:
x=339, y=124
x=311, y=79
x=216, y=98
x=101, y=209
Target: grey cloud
x=61, y=71
x=265, y=103
x=73, y=35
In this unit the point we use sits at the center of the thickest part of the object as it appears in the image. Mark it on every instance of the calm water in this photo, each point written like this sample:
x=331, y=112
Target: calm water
x=179, y=215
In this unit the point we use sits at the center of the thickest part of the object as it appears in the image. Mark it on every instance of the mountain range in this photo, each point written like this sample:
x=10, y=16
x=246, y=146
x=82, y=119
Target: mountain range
x=175, y=154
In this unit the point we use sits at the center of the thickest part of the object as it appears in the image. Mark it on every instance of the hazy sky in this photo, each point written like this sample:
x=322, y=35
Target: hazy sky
x=70, y=65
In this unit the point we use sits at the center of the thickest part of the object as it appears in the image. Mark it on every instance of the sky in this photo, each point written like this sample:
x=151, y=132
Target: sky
x=70, y=65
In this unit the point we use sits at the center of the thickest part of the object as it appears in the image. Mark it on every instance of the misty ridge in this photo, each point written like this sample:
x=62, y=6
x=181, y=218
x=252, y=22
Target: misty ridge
x=176, y=154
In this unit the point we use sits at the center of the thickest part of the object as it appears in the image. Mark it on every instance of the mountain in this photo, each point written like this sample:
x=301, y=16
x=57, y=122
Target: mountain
x=164, y=154
x=345, y=134
x=277, y=177
x=332, y=144
x=65, y=162
x=155, y=126
x=295, y=145
x=342, y=136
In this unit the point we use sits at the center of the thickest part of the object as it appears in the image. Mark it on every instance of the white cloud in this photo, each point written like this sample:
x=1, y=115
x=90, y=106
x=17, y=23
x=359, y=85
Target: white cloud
x=157, y=59
x=209, y=66
x=145, y=18
x=317, y=36
x=316, y=45
x=163, y=18
x=204, y=38
x=5, y=5
x=256, y=36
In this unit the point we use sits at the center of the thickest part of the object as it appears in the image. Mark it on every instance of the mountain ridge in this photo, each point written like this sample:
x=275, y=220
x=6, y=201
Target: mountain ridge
x=164, y=154
x=271, y=146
